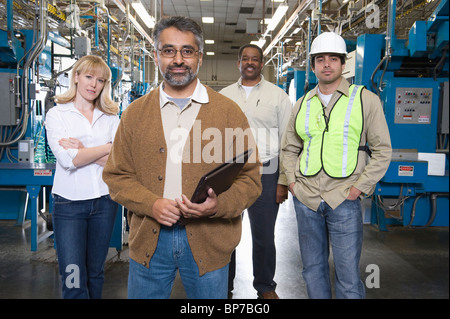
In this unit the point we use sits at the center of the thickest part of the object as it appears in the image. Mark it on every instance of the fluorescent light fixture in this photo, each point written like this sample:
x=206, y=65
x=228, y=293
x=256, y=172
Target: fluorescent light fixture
x=260, y=42
x=277, y=0
x=276, y=18
x=210, y=53
x=208, y=20
x=209, y=41
x=143, y=14
x=297, y=30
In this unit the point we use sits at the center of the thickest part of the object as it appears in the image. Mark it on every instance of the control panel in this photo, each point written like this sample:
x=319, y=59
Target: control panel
x=8, y=89
x=413, y=105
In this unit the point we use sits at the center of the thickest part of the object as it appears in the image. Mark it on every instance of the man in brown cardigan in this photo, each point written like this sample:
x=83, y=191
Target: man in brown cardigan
x=165, y=142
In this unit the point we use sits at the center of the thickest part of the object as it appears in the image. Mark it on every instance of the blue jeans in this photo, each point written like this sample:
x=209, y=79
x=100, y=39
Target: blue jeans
x=82, y=232
x=173, y=252
x=343, y=229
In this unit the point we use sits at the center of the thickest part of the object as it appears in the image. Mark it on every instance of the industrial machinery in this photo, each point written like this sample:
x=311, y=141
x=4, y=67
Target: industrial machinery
x=38, y=46
x=397, y=48
x=411, y=78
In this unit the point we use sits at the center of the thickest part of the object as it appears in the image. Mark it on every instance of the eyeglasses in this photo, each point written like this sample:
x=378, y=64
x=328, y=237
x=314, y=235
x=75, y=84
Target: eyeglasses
x=185, y=52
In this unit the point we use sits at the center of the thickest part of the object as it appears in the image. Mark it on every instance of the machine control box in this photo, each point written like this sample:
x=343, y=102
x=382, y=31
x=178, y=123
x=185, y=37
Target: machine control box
x=8, y=89
x=413, y=105
x=26, y=151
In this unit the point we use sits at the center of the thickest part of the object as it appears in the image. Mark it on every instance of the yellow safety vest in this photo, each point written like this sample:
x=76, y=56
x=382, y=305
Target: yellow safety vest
x=331, y=144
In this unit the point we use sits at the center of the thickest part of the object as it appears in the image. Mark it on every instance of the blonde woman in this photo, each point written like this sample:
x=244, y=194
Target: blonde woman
x=80, y=132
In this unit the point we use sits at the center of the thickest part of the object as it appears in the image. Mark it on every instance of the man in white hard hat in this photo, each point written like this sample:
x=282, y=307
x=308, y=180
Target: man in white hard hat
x=331, y=131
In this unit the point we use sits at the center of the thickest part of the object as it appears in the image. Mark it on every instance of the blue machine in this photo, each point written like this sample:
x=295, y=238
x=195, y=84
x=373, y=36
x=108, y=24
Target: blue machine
x=26, y=167
x=300, y=78
x=412, y=83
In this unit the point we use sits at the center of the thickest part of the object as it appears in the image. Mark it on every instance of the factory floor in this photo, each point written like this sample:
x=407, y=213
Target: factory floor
x=412, y=264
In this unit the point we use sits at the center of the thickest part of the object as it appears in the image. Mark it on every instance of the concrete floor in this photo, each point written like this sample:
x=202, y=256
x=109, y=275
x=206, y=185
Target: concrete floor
x=412, y=263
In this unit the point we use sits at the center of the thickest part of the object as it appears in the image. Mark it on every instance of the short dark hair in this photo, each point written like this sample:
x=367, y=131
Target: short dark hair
x=250, y=46
x=313, y=59
x=182, y=24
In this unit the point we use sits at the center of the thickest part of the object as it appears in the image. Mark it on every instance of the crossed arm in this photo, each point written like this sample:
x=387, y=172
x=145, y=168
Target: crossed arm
x=97, y=154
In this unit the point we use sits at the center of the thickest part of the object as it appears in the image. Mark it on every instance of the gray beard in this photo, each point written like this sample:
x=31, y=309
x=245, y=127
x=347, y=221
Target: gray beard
x=180, y=80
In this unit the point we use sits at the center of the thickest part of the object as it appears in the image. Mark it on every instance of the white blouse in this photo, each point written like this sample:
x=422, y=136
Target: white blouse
x=64, y=121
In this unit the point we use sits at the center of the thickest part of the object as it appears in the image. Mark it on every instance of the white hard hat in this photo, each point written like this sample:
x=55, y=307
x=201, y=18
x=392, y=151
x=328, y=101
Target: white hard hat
x=328, y=42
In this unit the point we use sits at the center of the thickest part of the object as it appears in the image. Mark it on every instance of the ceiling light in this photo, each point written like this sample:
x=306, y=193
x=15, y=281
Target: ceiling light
x=209, y=41
x=210, y=53
x=208, y=20
x=276, y=18
x=277, y=0
x=260, y=42
x=297, y=30
x=143, y=14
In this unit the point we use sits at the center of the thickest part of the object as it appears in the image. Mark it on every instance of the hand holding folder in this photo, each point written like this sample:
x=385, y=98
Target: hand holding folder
x=219, y=179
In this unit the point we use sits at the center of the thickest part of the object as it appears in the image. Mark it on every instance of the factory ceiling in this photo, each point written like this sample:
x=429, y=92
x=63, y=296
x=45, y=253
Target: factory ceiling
x=229, y=30
x=236, y=22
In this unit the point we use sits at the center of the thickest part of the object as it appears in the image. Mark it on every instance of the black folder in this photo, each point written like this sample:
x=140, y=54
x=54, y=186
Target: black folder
x=221, y=178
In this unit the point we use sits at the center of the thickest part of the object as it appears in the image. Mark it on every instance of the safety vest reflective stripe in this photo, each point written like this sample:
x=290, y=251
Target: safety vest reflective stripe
x=308, y=109
x=339, y=137
x=346, y=127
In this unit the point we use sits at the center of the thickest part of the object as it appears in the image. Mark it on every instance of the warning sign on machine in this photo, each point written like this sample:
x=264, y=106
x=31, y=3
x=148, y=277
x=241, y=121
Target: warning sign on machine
x=405, y=170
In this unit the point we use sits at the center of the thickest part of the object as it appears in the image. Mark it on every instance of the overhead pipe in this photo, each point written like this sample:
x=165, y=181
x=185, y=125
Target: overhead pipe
x=390, y=38
x=103, y=6
x=390, y=28
x=280, y=63
x=122, y=8
x=161, y=15
x=304, y=5
x=9, y=18
x=38, y=48
x=308, y=61
x=108, y=41
x=96, y=28
x=319, y=27
x=125, y=36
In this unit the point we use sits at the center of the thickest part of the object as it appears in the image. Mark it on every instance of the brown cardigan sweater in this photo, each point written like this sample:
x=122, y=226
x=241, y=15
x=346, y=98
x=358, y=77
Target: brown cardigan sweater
x=135, y=174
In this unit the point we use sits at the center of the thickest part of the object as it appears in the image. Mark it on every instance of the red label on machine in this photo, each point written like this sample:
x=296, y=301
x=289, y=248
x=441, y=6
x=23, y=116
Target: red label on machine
x=405, y=170
x=42, y=172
